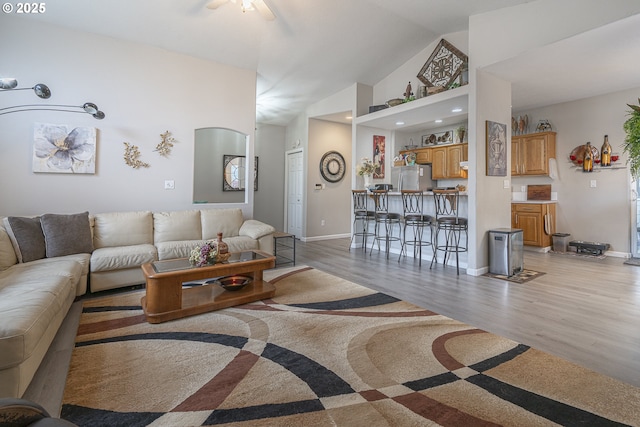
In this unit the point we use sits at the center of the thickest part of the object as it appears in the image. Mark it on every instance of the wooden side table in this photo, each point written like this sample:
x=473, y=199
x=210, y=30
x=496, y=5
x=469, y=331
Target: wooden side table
x=284, y=248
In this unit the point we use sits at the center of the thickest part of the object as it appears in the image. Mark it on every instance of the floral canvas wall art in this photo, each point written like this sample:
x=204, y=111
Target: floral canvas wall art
x=64, y=149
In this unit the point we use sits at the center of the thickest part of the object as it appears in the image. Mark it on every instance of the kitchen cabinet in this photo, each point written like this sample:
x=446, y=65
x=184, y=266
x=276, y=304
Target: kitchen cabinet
x=530, y=153
x=423, y=156
x=445, y=161
x=536, y=220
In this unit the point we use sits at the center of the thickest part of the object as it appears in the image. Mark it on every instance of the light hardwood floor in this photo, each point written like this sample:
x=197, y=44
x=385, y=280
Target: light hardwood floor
x=584, y=310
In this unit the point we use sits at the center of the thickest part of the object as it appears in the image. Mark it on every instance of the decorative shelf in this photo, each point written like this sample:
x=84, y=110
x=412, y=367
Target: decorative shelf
x=421, y=113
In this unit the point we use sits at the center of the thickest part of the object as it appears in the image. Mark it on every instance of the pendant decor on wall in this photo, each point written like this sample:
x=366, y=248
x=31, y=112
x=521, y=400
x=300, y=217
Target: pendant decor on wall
x=64, y=149
x=131, y=154
x=443, y=66
x=332, y=166
x=378, y=156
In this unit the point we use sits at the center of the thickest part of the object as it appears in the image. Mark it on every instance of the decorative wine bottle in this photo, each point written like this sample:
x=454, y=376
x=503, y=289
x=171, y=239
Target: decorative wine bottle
x=605, y=152
x=587, y=159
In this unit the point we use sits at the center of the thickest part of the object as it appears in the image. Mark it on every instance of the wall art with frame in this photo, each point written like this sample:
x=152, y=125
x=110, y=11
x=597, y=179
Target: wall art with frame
x=64, y=149
x=379, y=150
x=496, y=136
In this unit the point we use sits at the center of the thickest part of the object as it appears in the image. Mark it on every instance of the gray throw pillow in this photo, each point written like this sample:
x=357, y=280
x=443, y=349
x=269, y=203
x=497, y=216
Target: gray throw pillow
x=26, y=237
x=66, y=234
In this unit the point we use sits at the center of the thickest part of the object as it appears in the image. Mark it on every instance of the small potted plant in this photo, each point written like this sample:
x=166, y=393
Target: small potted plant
x=632, y=139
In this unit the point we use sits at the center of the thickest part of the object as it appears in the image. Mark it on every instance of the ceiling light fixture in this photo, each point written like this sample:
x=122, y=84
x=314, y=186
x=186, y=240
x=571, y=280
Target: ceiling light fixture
x=439, y=121
x=456, y=110
x=245, y=5
x=399, y=123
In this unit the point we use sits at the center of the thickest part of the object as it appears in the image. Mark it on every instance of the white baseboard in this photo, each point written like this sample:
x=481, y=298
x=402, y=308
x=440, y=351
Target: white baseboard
x=327, y=237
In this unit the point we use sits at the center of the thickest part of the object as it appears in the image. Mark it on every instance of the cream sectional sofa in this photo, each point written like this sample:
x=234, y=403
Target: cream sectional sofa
x=123, y=241
x=38, y=285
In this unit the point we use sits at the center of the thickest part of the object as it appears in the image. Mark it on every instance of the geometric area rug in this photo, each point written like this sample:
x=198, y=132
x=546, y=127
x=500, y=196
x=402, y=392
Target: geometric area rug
x=322, y=352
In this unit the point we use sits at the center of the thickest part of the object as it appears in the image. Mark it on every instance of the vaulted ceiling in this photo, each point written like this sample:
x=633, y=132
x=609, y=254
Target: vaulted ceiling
x=315, y=48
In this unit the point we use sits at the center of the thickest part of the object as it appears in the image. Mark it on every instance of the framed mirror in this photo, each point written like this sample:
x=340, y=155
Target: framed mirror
x=211, y=145
x=234, y=172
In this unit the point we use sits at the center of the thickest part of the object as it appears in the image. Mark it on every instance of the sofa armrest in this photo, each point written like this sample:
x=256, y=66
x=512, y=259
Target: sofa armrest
x=255, y=229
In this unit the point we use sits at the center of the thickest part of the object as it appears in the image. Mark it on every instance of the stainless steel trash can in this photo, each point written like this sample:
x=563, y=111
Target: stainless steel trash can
x=505, y=251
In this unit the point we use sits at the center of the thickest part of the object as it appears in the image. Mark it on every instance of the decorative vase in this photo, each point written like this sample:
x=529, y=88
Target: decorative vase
x=223, y=249
x=366, y=181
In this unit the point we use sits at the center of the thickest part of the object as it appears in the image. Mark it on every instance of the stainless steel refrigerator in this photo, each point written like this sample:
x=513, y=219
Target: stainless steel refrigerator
x=409, y=178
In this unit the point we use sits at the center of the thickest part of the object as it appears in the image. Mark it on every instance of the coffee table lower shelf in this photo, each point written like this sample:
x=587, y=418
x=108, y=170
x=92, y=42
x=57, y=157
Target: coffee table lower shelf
x=210, y=297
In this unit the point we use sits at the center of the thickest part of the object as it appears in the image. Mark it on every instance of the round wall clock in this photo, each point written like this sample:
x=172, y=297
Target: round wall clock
x=332, y=166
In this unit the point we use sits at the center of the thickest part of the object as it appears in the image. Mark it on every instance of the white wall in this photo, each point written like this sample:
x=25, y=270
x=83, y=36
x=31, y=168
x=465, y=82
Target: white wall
x=394, y=85
x=269, y=199
x=333, y=203
x=603, y=213
x=144, y=91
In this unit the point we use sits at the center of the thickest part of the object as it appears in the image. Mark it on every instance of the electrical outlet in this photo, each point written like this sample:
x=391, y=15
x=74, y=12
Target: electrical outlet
x=593, y=183
x=169, y=184
x=322, y=222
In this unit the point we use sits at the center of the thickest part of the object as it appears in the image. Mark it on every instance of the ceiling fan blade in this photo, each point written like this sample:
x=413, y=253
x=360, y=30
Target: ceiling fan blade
x=264, y=10
x=216, y=4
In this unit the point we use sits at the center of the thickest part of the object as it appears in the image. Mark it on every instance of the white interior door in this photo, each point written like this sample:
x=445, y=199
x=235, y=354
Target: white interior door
x=295, y=185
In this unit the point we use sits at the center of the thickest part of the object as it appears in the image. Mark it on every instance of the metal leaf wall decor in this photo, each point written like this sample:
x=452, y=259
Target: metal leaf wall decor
x=165, y=145
x=131, y=154
x=443, y=66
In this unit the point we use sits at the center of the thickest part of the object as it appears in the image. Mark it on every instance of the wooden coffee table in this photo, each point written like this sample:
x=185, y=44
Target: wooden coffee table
x=167, y=299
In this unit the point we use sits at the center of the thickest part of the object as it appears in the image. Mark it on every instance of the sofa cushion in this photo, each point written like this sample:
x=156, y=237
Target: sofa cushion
x=182, y=248
x=173, y=226
x=122, y=229
x=66, y=234
x=32, y=297
x=26, y=237
x=177, y=249
x=225, y=221
x=7, y=253
x=121, y=257
x=256, y=229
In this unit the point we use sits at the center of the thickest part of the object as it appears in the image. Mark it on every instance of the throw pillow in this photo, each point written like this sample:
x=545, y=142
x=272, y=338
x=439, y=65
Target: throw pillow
x=67, y=234
x=26, y=237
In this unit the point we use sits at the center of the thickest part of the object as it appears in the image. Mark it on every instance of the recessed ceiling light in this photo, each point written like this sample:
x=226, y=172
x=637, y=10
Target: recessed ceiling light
x=456, y=110
x=399, y=123
x=439, y=121
x=348, y=117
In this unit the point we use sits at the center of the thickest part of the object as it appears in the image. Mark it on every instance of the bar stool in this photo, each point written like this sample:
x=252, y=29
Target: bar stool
x=447, y=220
x=384, y=221
x=417, y=221
x=362, y=214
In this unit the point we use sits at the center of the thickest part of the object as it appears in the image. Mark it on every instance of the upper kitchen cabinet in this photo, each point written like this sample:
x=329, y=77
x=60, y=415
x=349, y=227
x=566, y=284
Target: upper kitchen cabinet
x=530, y=153
x=446, y=161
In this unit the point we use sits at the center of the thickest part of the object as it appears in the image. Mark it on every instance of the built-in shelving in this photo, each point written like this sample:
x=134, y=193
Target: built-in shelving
x=422, y=113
